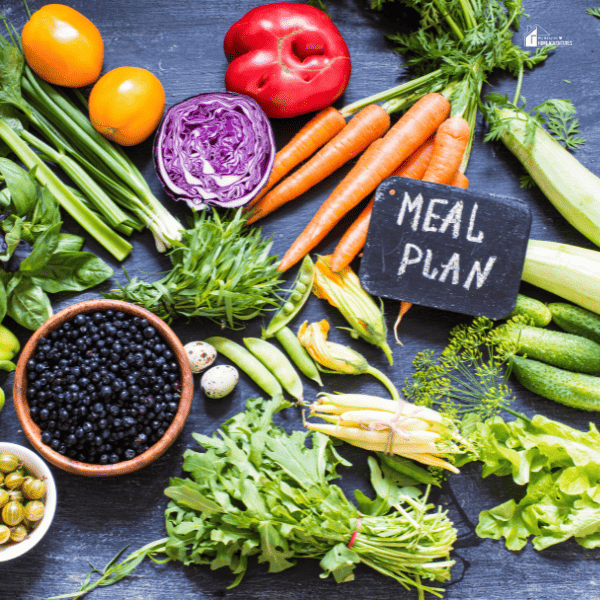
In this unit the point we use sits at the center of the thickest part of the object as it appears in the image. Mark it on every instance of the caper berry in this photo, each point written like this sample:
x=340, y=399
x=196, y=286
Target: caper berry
x=33, y=489
x=34, y=510
x=13, y=513
x=18, y=534
x=13, y=480
x=15, y=496
x=9, y=461
x=4, y=534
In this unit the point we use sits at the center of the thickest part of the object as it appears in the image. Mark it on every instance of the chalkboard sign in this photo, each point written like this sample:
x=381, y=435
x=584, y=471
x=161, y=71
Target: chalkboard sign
x=445, y=247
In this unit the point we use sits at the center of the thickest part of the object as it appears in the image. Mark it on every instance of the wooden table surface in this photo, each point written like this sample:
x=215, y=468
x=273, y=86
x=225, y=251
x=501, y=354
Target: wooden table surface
x=181, y=42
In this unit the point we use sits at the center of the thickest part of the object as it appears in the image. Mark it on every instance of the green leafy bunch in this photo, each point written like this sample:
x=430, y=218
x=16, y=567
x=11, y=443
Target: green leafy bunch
x=221, y=270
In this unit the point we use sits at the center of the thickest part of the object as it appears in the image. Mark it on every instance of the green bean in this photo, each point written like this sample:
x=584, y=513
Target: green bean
x=296, y=351
x=299, y=295
x=277, y=362
x=248, y=363
x=408, y=468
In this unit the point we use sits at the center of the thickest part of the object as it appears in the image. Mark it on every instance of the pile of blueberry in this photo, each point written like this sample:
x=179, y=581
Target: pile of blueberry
x=103, y=387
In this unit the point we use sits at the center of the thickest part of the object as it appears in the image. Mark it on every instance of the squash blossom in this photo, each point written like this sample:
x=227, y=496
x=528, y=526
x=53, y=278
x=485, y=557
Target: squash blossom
x=344, y=291
x=337, y=357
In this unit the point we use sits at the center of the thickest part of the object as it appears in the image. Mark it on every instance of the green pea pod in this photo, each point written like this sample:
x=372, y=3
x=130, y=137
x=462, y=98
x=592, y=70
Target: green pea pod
x=577, y=320
x=578, y=390
x=248, y=363
x=295, y=301
x=277, y=362
x=408, y=468
x=533, y=309
x=296, y=351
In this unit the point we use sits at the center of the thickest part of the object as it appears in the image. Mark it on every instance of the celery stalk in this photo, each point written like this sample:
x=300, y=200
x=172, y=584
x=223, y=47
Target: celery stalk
x=570, y=272
x=572, y=189
x=114, y=243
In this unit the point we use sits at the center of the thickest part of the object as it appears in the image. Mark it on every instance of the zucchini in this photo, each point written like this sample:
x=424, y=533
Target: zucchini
x=533, y=309
x=577, y=390
x=564, y=350
x=576, y=319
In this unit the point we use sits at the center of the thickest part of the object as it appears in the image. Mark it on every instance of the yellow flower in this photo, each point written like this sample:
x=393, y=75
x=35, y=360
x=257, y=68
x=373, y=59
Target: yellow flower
x=344, y=291
x=337, y=357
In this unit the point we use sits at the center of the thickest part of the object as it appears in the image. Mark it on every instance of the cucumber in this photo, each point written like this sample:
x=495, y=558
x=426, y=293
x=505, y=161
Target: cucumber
x=577, y=390
x=564, y=350
x=576, y=319
x=533, y=309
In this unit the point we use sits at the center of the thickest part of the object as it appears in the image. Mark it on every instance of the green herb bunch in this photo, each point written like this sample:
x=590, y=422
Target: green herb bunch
x=258, y=491
x=221, y=270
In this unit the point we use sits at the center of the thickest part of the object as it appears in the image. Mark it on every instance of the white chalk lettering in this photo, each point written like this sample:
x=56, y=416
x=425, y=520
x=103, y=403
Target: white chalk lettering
x=430, y=215
x=453, y=218
x=407, y=260
x=478, y=275
x=427, y=266
x=410, y=205
x=453, y=265
x=470, y=237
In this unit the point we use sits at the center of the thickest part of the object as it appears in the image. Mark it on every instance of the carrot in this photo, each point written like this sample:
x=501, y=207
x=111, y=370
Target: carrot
x=366, y=126
x=459, y=180
x=416, y=164
x=448, y=148
x=418, y=123
x=317, y=132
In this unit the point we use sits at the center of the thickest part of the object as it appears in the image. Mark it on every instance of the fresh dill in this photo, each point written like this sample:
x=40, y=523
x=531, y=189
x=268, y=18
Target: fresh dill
x=595, y=11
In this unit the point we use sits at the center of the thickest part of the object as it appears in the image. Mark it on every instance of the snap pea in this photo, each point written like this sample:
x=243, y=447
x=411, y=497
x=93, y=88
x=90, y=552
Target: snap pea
x=296, y=351
x=408, y=468
x=300, y=292
x=564, y=350
x=576, y=319
x=533, y=309
x=248, y=363
x=277, y=362
x=577, y=390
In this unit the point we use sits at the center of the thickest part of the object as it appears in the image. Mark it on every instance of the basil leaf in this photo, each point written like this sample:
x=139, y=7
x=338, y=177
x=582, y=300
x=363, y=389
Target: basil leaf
x=29, y=305
x=72, y=272
x=21, y=185
x=2, y=301
x=12, y=238
x=69, y=242
x=47, y=210
x=43, y=249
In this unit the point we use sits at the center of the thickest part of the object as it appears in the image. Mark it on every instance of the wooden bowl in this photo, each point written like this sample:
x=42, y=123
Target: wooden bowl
x=34, y=433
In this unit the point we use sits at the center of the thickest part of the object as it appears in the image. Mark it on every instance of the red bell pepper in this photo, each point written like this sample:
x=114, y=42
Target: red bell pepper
x=289, y=57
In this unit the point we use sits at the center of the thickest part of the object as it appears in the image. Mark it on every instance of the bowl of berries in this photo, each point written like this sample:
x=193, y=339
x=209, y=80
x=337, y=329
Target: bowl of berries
x=103, y=388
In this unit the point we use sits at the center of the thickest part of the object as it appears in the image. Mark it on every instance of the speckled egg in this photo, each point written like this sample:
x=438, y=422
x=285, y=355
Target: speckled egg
x=200, y=354
x=219, y=381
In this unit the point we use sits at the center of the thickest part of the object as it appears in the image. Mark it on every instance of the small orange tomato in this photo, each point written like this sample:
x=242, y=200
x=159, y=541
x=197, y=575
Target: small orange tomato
x=62, y=46
x=126, y=105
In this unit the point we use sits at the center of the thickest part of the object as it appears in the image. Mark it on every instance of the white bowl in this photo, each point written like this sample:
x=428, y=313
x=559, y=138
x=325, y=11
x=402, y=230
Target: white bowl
x=37, y=467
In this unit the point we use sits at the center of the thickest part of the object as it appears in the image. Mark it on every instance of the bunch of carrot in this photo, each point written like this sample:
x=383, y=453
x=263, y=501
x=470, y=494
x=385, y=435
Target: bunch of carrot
x=425, y=143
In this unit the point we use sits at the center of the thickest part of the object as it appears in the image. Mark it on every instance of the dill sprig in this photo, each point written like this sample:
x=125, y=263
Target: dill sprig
x=467, y=381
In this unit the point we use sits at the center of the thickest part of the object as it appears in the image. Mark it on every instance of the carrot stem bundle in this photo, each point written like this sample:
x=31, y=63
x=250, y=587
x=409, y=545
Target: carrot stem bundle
x=365, y=127
x=410, y=131
x=316, y=133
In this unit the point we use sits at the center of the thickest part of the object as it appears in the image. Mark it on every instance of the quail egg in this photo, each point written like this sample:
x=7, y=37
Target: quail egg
x=200, y=355
x=219, y=381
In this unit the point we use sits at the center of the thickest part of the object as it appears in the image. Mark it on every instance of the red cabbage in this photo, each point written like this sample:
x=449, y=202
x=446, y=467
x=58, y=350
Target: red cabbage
x=214, y=149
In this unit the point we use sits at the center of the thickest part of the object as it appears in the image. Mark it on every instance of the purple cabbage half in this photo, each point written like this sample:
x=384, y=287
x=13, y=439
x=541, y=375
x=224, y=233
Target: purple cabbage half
x=214, y=149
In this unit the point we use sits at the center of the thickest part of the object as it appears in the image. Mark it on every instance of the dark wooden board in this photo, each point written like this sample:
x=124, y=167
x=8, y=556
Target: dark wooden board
x=181, y=42
x=445, y=247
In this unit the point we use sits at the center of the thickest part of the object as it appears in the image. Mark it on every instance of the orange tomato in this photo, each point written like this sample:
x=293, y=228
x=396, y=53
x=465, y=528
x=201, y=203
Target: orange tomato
x=126, y=105
x=62, y=46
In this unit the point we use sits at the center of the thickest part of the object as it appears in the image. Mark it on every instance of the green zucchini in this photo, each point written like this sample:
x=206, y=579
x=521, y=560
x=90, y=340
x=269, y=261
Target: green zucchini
x=577, y=390
x=576, y=319
x=533, y=309
x=557, y=348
